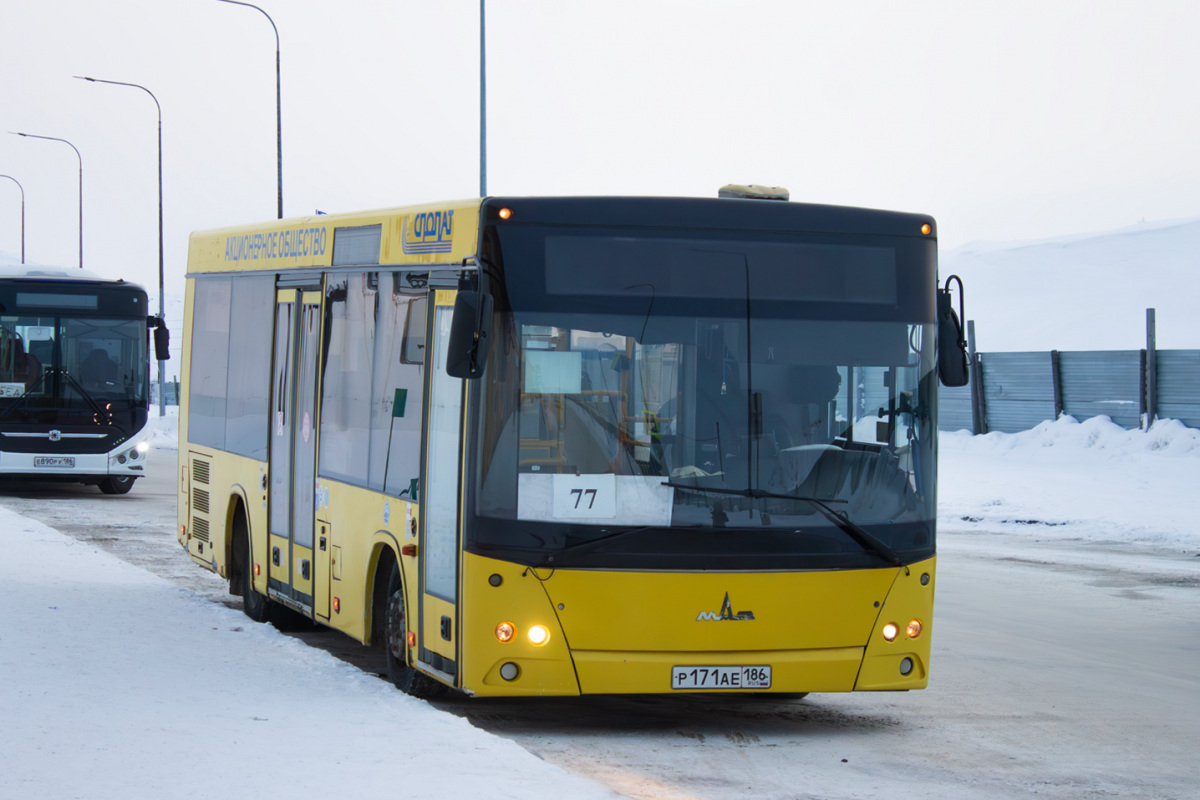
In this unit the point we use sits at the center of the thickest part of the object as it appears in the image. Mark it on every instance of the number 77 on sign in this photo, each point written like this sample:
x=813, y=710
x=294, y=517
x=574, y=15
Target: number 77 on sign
x=585, y=496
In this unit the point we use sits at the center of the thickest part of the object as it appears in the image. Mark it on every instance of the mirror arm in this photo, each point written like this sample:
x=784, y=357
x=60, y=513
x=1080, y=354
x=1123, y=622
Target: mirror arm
x=962, y=314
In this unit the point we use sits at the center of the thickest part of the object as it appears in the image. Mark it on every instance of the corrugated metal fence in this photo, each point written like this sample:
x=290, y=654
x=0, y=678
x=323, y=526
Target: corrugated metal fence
x=1013, y=392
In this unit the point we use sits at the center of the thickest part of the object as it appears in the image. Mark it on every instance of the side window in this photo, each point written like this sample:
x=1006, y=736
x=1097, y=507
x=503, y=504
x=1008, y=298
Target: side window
x=414, y=331
x=249, y=382
x=398, y=389
x=351, y=306
x=209, y=362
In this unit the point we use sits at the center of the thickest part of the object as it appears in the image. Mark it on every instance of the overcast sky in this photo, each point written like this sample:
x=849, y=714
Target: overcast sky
x=1005, y=120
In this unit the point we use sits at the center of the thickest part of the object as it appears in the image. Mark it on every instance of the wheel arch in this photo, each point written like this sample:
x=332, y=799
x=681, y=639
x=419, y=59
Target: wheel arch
x=236, y=509
x=385, y=552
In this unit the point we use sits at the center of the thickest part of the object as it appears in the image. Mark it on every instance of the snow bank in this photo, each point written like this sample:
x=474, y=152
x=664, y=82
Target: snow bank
x=118, y=685
x=166, y=428
x=1066, y=479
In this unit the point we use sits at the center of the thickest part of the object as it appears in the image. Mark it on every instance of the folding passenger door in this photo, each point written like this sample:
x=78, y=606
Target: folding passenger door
x=441, y=504
x=293, y=446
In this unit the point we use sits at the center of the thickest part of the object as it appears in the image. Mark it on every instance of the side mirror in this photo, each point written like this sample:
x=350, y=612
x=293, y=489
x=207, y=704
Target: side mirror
x=952, y=345
x=162, y=338
x=470, y=334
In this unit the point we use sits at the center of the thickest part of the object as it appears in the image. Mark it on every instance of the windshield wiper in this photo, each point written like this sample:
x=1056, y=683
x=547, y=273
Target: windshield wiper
x=856, y=532
x=84, y=393
x=607, y=537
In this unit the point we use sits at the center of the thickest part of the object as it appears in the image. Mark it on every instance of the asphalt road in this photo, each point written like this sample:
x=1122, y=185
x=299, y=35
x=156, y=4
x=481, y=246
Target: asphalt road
x=1061, y=670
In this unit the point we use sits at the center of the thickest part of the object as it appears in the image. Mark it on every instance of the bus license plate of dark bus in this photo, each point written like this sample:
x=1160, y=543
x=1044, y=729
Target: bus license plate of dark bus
x=691, y=678
x=54, y=461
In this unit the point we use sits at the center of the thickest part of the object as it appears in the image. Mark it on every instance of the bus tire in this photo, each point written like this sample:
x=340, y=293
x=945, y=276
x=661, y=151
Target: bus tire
x=395, y=645
x=254, y=605
x=116, y=484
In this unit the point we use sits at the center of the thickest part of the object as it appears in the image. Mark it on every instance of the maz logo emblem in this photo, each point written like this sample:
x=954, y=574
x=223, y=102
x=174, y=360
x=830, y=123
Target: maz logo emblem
x=726, y=613
x=54, y=436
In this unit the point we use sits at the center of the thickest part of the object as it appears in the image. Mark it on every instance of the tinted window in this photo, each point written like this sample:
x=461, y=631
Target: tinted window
x=371, y=396
x=209, y=362
x=248, y=395
x=230, y=363
x=350, y=311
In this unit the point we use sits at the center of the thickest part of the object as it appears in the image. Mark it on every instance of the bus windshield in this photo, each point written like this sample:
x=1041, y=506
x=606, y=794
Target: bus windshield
x=73, y=370
x=650, y=395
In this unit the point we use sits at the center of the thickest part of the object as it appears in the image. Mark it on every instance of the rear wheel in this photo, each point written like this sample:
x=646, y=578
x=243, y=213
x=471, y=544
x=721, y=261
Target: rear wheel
x=254, y=605
x=395, y=644
x=116, y=484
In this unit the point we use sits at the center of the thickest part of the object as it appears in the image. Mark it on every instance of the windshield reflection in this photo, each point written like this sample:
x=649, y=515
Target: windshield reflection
x=56, y=369
x=622, y=419
x=695, y=386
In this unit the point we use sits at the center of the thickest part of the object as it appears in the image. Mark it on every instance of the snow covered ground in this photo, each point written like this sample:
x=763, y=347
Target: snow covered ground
x=118, y=684
x=1066, y=480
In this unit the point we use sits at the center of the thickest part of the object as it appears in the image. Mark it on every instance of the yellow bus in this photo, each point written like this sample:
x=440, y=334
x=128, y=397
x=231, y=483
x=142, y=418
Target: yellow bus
x=564, y=446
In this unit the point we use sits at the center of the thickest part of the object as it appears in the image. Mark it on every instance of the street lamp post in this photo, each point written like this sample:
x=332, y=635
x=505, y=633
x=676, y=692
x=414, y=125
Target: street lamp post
x=22, y=188
x=76, y=149
x=482, y=101
x=162, y=367
x=278, y=100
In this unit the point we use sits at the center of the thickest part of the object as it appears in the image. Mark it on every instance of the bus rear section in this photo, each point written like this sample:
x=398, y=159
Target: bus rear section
x=74, y=378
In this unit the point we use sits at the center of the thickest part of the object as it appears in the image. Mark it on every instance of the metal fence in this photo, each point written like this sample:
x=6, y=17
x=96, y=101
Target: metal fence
x=1012, y=392
x=170, y=393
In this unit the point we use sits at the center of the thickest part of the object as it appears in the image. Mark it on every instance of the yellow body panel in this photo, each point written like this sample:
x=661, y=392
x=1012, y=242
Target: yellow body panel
x=434, y=609
x=520, y=600
x=440, y=233
x=622, y=632
x=911, y=598
x=361, y=523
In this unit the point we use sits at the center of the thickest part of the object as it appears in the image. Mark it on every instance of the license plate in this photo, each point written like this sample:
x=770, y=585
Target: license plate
x=54, y=461
x=721, y=677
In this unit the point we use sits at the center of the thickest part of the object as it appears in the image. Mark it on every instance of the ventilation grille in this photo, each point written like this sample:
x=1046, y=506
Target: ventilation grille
x=200, y=529
x=200, y=471
x=199, y=500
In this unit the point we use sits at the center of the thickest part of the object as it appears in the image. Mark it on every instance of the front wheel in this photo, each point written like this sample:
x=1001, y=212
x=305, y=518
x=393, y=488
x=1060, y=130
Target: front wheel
x=115, y=484
x=395, y=645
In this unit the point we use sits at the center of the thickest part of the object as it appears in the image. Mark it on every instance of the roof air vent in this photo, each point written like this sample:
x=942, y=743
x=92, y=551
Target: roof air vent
x=753, y=191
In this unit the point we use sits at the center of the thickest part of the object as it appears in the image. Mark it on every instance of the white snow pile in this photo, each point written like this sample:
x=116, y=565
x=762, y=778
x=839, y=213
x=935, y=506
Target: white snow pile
x=165, y=434
x=117, y=685
x=1070, y=480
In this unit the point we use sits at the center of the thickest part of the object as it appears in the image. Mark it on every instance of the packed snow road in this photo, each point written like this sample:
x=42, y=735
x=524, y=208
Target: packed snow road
x=1060, y=667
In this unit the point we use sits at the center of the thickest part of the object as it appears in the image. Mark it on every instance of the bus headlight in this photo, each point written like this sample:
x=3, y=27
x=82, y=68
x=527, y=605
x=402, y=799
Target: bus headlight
x=891, y=631
x=914, y=629
x=505, y=632
x=539, y=634
x=143, y=447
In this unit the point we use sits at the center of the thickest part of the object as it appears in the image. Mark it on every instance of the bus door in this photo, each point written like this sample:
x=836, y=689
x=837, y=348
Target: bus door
x=293, y=447
x=440, y=504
